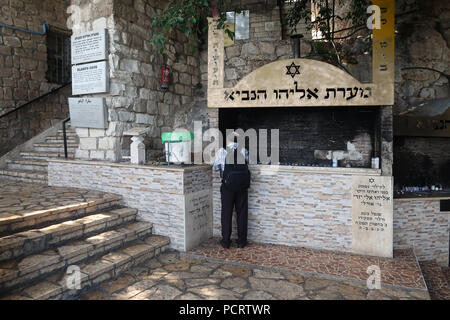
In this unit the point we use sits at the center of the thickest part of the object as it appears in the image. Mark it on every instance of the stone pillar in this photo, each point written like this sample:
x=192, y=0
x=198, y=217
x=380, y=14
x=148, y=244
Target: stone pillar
x=386, y=140
x=137, y=150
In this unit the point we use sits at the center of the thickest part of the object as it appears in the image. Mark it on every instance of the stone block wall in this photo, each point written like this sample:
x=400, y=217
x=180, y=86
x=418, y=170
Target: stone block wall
x=25, y=123
x=159, y=194
x=23, y=56
x=296, y=208
x=135, y=97
x=420, y=224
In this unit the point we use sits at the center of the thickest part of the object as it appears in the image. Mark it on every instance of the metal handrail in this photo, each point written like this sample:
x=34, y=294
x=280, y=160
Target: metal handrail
x=65, y=136
x=35, y=99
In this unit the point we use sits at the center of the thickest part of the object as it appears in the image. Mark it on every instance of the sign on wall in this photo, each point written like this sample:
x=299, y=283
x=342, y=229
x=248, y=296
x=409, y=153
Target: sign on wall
x=306, y=82
x=90, y=78
x=88, y=113
x=372, y=215
x=89, y=46
x=198, y=225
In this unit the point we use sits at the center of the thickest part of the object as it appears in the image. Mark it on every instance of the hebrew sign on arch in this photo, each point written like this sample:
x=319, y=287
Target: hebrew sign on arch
x=306, y=82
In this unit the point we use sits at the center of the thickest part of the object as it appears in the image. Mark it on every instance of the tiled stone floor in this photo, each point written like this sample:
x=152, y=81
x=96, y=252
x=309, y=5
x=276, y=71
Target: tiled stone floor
x=21, y=199
x=402, y=271
x=173, y=276
x=437, y=280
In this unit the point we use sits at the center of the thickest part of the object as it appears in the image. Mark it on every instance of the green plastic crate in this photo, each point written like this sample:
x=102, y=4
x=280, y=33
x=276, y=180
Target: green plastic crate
x=177, y=136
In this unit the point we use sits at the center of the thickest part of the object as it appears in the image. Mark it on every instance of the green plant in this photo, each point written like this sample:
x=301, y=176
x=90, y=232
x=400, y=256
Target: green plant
x=189, y=17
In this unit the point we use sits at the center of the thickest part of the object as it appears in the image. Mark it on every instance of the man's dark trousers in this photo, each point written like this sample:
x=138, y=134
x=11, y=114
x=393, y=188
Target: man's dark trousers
x=239, y=200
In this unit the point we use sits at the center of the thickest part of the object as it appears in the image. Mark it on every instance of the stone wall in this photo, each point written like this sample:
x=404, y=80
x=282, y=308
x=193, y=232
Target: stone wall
x=135, y=97
x=23, y=124
x=420, y=224
x=23, y=56
x=422, y=40
x=296, y=208
x=158, y=193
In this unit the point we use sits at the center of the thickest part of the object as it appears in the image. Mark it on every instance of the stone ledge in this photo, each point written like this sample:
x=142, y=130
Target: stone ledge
x=129, y=165
x=316, y=170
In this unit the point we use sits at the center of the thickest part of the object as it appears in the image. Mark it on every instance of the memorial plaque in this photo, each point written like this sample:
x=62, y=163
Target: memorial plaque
x=372, y=207
x=89, y=46
x=90, y=78
x=198, y=218
x=88, y=113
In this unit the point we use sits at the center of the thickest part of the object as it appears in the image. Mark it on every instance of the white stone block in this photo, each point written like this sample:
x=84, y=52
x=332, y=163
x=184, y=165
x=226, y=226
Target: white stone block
x=88, y=143
x=82, y=132
x=95, y=133
x=97, y=155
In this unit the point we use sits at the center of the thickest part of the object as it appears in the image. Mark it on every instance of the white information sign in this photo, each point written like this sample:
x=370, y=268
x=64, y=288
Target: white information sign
x=90, y=78
x=88, y=113
x=372, y=220
x=89, y=46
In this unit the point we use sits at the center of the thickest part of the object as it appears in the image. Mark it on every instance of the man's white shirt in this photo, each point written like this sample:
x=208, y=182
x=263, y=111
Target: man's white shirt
x=219, y=161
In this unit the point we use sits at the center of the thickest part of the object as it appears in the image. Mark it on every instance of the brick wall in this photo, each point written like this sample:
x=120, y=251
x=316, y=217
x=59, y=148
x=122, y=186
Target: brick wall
x=23, y=56
x=420, y=224
x=296, y=208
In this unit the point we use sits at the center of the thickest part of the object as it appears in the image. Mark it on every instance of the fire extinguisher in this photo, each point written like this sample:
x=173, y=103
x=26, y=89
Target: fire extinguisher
x=165, y=73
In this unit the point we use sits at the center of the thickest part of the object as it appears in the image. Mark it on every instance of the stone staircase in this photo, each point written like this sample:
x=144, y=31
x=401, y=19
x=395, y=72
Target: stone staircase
x=99, y=238
x=437, y=279
x=32, y=164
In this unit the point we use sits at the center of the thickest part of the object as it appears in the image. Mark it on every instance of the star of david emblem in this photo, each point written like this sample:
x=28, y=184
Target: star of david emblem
x=371, y=180
x=293, y=70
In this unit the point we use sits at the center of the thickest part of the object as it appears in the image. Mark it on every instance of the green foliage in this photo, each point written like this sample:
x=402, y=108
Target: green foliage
x=300, y=11
x=187, y=16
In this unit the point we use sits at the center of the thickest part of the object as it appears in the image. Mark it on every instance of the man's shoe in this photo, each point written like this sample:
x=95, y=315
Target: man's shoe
x=224, y=245
x=242, y=245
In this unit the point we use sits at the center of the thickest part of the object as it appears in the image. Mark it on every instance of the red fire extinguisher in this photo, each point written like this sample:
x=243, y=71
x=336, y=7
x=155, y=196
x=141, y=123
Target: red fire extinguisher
x=165, y=73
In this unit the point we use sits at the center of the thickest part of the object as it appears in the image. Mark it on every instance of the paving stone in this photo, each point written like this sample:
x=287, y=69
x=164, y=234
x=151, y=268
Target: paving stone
x=214, y=292
x=280, y=288
x=117, y=284
x=264, y=274
x=238, y=271
x=43, y=290
x=258, y=295
x=221, y=273
x=177, y=267
x=201, y=282
x=93, y=295
x=313, y=283
x=235, y=282
x=201, y=268
x=294, y=278
x=188, y=296
x=159, y=292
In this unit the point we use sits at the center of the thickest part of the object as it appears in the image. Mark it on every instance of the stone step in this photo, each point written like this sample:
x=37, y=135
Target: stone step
x=18, y=222
x=92, y=272
x=57, y=139
x=18, y=272
x=44, y=155
x=33, y=165
x=24, y=175
x=69, y=133
x=26, y=180
x=54, y=147
x=435, y=280
x=36, y=240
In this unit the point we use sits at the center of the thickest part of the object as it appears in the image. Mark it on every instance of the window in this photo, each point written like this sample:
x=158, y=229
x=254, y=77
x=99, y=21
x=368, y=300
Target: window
x=58, y=57
x=239, y=23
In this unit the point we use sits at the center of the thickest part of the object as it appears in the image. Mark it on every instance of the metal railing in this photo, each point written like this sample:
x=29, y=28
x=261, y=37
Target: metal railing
x=65, y=136
x=35, y=99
